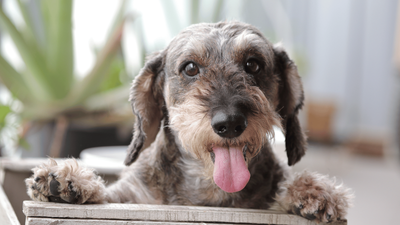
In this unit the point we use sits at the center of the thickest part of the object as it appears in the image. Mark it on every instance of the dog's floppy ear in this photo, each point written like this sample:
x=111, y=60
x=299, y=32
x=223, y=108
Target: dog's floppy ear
x=291, y=99
x=146, y=101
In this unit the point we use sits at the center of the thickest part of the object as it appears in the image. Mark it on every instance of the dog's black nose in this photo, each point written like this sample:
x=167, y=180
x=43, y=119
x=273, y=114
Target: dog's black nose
x=229, y=125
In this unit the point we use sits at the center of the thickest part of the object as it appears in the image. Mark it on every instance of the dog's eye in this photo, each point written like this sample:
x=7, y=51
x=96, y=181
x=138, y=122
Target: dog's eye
x=191, y=69
x=252, y=66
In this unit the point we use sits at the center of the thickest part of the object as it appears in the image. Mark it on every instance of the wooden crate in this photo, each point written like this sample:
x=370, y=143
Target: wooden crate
x=40, y=213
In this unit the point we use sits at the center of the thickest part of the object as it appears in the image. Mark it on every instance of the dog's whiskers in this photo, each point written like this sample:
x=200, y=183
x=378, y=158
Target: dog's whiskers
x=244, y=152
x=212, y=155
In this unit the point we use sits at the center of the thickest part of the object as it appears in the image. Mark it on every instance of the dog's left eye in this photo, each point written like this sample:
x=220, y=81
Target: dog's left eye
x=191, y=69
x=252, y=66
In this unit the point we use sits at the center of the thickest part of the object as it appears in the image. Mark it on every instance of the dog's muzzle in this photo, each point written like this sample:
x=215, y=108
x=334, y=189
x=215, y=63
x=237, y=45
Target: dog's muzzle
x=230, y=170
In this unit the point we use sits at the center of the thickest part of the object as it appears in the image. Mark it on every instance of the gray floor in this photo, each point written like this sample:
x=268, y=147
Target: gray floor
x=375, y=181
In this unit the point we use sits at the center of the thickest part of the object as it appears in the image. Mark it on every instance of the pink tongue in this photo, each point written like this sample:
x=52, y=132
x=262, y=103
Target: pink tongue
x=230, y=170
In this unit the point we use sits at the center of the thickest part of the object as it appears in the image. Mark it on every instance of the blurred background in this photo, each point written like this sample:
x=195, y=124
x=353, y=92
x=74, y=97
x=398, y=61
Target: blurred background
x=66, y=67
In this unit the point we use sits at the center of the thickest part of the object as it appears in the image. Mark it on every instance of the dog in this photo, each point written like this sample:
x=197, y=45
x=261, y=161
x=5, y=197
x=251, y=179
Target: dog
x=205, y=108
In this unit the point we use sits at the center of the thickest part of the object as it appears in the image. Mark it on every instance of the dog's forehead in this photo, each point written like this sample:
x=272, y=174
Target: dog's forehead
x=205, y=43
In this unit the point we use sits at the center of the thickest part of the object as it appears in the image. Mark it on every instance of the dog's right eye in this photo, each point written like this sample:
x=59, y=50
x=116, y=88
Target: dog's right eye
x=191, y=69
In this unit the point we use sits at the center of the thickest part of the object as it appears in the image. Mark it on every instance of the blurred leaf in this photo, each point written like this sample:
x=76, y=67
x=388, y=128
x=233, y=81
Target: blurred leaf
x=195, y=12
x=120, y=16
x=217, y=10
x=45, y=12
x=4, y=110
x=91, y=83
x=113, y=78
x=30, y=33
x=109, y=99
x=31, y=58
x=59, y=47
x=37, y=23
x=25, y=15
x=15, y=83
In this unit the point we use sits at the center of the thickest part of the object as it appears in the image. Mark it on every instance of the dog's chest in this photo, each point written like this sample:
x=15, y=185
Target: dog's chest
x=198, y=189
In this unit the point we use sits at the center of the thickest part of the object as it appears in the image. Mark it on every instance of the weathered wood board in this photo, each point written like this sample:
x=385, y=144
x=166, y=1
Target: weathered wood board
x=7, y=214
x=44, y=213
x=47, y=221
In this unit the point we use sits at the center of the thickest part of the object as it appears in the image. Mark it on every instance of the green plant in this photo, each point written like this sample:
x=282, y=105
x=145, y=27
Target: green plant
x=47, y=87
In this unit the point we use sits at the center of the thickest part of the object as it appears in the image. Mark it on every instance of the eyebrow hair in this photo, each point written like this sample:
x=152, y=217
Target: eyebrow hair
x=248, y=39
x=197, y=48
x=250, y=42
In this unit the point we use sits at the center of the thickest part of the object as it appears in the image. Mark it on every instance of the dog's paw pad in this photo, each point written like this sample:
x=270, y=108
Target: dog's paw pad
x=314, y=209
x=54, y=184
x=37, y=185
x=329, y=217
x=74, y=196
x=63, y=192
x=78, y=184
x=310, y=216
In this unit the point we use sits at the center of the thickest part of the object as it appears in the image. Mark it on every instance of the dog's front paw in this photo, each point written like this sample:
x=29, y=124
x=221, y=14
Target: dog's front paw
x=37, y=185
x=316, y=197
x=65, y=183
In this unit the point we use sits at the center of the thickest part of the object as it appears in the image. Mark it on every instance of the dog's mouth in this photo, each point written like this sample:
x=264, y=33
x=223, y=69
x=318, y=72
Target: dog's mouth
x=230, y=170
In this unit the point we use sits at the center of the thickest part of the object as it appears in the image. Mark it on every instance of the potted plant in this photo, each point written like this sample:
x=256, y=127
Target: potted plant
x=54, y=108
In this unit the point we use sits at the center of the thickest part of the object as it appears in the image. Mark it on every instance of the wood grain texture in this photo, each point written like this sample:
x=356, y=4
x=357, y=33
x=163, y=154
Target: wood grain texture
x=7, y=214
x=46, y=221
x=144, y=212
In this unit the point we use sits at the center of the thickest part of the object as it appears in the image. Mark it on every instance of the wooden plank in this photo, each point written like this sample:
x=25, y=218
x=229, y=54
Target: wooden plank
x=15, y=190
x=171, y=213
x=46, y=221
x=7, y=214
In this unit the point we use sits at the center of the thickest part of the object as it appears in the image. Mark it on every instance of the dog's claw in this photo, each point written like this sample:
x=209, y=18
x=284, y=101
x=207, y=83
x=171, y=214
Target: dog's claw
x=56, y=199
x=328, y=217
x=244, y=152
x=297, y=209
x=70, y=187
x=212, y=155
x=310, y=216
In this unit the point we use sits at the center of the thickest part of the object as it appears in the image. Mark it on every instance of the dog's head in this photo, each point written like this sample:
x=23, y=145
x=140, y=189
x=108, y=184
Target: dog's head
x=220, y=88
